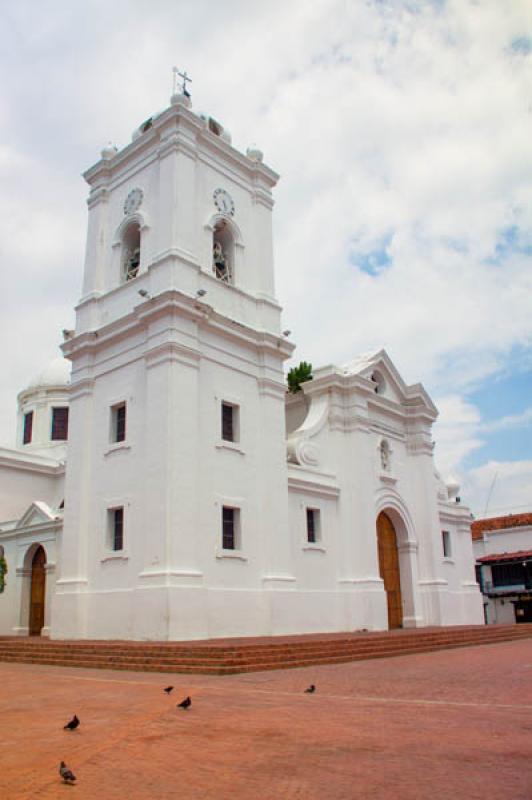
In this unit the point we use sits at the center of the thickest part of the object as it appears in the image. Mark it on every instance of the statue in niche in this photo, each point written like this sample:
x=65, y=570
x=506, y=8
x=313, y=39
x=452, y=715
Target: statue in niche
x=219, y=262
x=385, y=455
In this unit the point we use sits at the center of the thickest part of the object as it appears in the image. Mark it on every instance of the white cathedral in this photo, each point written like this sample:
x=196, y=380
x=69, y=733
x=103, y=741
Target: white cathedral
x=169, y=487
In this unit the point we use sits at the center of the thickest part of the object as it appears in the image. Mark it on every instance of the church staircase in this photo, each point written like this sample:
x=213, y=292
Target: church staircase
x=230, y=656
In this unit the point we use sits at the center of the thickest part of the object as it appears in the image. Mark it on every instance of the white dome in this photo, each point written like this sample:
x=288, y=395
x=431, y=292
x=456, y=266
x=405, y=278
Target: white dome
x=56, y=373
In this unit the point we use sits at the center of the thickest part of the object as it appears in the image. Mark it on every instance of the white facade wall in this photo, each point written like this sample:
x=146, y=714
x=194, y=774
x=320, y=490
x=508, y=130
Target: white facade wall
x=24, y=478
x=172, y=344
x=340, y=439
x=18, y=542
x=173, y=358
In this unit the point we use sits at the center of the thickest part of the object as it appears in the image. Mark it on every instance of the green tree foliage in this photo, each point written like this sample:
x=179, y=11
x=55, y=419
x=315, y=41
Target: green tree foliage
x=298, y=375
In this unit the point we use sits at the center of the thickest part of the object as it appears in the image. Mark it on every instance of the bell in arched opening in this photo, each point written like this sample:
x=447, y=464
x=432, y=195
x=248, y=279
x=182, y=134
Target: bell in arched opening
x=131, y=252
x=223, y=252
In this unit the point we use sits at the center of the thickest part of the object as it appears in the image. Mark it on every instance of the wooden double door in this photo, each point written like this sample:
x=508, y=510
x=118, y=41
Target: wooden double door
x=38, y=591
x=389, y=569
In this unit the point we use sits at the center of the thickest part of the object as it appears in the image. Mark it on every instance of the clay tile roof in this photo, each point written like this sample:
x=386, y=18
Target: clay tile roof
x=499, y=523
x=519, y=555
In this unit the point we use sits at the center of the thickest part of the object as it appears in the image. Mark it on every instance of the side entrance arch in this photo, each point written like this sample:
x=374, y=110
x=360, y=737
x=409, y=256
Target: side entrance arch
x=389, y=569
x=37, y=592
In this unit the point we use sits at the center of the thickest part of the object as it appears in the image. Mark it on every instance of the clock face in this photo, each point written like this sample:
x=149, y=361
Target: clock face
x=133, y=201
x=224, y=202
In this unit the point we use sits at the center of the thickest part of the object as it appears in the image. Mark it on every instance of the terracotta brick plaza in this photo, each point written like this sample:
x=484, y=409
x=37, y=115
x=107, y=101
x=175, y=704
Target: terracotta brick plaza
x=452, y=724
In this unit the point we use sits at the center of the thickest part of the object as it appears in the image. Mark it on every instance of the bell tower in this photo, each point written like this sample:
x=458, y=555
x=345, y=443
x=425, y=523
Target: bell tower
x=180, y=208
x=176, y=490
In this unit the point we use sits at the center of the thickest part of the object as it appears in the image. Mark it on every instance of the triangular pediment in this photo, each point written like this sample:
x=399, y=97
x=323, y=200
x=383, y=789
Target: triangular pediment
x=36, y=514
x=378, y=368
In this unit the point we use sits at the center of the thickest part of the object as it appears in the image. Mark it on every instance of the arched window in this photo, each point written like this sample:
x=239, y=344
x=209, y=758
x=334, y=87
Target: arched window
x=131, y=252
x=223, y=252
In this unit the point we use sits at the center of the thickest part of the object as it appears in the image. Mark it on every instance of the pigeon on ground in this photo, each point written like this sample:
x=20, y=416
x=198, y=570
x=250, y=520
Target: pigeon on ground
x=311, y=689
x=72, y=725
x=168, y=689
x=67, y=774
x=184, y=703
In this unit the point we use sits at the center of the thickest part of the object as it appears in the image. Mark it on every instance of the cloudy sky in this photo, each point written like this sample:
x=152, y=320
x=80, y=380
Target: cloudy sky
x=402, y=131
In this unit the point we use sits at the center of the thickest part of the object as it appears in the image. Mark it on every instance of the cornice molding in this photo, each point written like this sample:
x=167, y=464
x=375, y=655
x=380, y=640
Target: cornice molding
x=193, y=137
x=171, y=351
x=175, y=252
x=271, y=388
x=261, y=197
x=178, y=143
x=418, y=448
x=14, y=459
x=81, y=388
x=312, y=481
x=99, y=194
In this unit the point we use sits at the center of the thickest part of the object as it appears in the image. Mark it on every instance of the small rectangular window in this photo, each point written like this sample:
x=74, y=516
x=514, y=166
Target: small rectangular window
x=230, y=528
x=118, y=423
x=59, y=424
x=116, y=528
x=230, y=431
x=28, y=427
x=313, y=525
x=446, y=543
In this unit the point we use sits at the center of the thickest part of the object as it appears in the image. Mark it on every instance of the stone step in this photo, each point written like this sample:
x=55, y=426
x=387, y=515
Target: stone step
x=150, y=652
x=190, y=656
x=225, y=668
x=235, y=657
x=373, y=640
x=244, y=657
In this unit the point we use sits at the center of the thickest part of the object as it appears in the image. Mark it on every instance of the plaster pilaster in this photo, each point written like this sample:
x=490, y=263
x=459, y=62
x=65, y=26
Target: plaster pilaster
x=96, y=253
x=171, y=467
x=272, y=489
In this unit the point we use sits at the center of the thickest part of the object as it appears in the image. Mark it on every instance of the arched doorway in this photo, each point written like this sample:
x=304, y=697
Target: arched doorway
x=38, y=588
x=389, y=569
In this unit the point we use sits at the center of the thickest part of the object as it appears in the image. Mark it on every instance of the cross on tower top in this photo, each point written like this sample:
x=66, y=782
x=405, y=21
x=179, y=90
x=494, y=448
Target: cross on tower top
x=185, y=79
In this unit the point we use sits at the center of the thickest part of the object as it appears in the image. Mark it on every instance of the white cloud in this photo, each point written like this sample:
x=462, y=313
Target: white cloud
x=456, y=433
x=499, y=487
x=521, y=420
x=391, y=122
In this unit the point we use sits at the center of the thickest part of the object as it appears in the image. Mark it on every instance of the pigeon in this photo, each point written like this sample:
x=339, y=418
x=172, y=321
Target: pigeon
x=168, y=689
x=72, y=725
x=311, y=689
x=67, y=774
x=184, y=703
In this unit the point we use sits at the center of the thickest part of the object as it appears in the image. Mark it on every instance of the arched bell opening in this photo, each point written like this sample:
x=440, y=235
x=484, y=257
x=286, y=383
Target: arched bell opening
x=223, y=252
x=131, y=252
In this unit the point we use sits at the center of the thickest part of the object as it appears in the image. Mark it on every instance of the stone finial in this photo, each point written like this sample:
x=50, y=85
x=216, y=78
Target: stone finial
x=453, y=487
x=254, y=154
x=109, y=152
x=181, y=99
